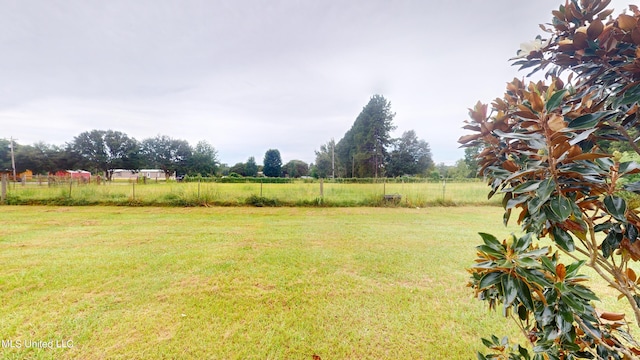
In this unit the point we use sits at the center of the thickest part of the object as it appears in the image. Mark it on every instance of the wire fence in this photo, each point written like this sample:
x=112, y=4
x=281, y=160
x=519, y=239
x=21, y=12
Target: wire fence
x=299, y=192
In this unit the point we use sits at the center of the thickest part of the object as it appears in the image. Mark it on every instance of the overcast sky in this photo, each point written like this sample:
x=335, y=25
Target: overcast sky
x=250, y=75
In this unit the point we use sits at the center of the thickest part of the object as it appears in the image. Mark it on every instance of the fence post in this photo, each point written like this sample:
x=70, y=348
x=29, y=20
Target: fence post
x=70, y=185
x=444, y=186
x=4, y=188
x=321, y=187
x=199, y=189
x=260, y=187
x=134, y=191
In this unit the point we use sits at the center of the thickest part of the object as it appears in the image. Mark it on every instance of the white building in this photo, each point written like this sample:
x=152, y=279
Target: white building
x=151, y=174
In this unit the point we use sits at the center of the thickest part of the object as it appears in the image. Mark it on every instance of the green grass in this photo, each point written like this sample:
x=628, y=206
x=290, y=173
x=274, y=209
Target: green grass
x=243, y=283
x=223, y=194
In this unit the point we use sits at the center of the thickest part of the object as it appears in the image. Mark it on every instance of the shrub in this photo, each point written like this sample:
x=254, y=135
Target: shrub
x=545, y=151
x=260, y=201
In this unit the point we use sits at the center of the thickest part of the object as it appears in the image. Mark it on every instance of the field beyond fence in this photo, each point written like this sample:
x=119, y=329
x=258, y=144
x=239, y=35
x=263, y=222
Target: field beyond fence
x=339, y=192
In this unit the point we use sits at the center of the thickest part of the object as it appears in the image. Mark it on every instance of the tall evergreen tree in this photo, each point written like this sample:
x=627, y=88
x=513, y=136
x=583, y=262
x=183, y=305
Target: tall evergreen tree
x=364, y=148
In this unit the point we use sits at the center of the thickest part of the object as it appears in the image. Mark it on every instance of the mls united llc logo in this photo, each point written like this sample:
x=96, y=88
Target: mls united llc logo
x=37, y=344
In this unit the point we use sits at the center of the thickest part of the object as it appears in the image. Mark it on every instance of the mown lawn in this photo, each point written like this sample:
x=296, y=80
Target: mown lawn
x=242, y=283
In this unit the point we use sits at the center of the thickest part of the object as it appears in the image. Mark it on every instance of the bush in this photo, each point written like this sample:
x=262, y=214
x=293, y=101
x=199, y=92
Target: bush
x=543, y=153
x=259, y=201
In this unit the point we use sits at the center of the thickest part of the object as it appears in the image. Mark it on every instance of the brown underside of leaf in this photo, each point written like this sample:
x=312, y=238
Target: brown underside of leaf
x=626, y=22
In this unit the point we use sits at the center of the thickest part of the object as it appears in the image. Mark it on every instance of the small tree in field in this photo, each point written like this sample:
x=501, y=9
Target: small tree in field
x=272, y=163
x=542, y=153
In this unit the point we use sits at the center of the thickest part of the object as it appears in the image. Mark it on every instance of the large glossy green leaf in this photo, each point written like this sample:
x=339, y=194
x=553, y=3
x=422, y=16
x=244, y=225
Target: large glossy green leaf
x=548, y=264
x=524, y=294
x=491, y=251
x=514, y=135
x=489, y=280
x=563, y=239
x=527, y=262
x=584, y=292
x=511, y=203
x=563, y=325
x=605, y=164
x=555, y=100
x=632, y=233
x=527, y=186
x=575, y=304
x=491, y=241
x=602, y=227
x=633, y=187
x=628, y=167
x=547, y=316
x=522, y=243
x=582, y=136
x=533, y=276
x=545, y=189
x=616, y=206
x=586, y=121
x=631, y=95
x=506, y=216
x=610, y=243
x=582, y=168
x=561, y=207
x=573, y=268
x=510, y=290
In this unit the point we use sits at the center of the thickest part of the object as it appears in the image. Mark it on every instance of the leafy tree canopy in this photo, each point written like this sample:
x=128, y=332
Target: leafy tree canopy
x=163, y=152
x=296, y=169
x=105, y=151
x=251, y=168
x=325, y=160
x=272, y=163
x=410, y=156
x=204, y=160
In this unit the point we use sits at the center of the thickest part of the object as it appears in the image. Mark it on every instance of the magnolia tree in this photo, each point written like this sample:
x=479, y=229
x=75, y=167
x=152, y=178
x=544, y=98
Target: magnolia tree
x=544, y=151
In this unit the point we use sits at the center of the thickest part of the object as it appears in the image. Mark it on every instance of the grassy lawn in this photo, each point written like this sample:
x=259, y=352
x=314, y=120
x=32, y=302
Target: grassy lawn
x=243, y=283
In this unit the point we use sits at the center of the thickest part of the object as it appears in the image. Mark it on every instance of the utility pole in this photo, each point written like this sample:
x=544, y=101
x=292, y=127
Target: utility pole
x=13, y=159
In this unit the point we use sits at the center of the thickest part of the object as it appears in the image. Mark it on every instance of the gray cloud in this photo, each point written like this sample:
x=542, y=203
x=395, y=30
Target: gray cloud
x=252, y=75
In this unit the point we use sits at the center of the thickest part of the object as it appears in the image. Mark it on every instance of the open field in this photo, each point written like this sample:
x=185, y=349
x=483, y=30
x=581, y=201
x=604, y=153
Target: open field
x=292, y=194
x=243, y=283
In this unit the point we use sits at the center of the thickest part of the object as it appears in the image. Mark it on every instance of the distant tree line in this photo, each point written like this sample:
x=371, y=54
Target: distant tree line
x=366, y=150
x=102, y=151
